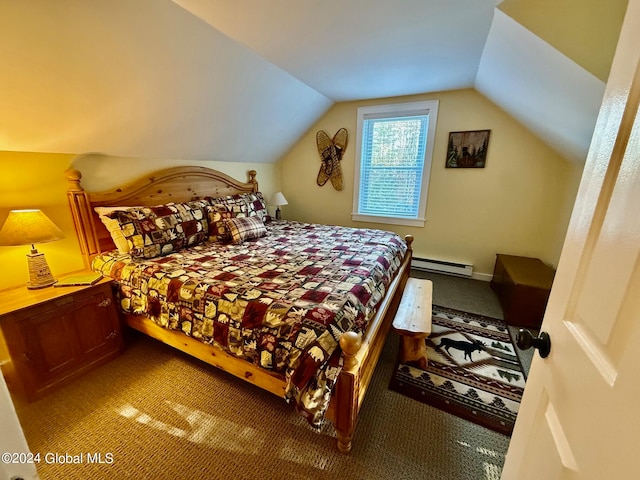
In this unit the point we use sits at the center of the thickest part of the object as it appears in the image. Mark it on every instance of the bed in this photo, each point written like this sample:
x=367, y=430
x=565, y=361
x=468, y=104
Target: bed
x=303, y=366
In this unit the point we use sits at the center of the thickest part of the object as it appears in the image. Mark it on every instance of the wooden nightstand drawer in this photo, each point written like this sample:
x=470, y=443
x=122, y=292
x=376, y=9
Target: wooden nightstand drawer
x=56, y=334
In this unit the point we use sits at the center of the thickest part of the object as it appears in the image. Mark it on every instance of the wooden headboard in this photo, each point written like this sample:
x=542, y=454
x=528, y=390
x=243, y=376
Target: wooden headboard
x=178, y=184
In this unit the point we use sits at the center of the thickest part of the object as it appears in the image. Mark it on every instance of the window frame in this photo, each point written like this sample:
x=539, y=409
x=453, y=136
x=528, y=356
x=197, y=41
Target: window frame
x=396, y=110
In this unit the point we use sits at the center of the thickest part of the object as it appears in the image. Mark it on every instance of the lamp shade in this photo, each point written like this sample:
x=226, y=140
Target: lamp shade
x=24, y=227
x=278, y=199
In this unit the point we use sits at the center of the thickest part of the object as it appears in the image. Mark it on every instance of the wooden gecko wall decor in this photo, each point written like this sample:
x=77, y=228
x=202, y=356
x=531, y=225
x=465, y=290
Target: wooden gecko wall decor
x=331, y=151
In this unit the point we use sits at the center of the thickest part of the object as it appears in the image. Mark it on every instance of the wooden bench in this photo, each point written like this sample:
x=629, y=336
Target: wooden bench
x=413, y=321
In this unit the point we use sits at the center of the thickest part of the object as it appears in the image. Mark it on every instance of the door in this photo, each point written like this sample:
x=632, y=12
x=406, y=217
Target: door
x=580, y=414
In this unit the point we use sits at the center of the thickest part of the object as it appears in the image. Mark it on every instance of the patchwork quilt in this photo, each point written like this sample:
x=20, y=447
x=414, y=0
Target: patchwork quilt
x=280, y=301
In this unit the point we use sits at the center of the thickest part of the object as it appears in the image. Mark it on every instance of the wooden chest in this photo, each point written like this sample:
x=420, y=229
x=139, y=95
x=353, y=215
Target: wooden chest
x=523, y=285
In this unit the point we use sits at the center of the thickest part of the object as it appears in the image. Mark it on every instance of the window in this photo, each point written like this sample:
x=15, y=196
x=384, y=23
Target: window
x=393, y=161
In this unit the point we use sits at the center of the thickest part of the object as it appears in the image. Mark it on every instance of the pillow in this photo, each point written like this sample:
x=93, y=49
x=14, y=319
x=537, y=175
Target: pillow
x=217, y=215
x=245, y=228
x=256, y=206
x=236, y=204
x=249, y=204
x=154, y=231
x=113, y=226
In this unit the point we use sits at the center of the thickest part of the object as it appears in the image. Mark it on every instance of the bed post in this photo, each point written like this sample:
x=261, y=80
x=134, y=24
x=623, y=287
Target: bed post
x=408, y=239
x=347, y=391
x=252, y=179
x=354, y=378
x=81, y=213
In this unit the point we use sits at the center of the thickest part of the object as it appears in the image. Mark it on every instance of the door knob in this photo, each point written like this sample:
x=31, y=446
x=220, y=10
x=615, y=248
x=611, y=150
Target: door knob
x=525, y=340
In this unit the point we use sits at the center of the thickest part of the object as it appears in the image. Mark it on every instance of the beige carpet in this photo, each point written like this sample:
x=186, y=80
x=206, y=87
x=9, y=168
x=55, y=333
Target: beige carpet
x=154, y=413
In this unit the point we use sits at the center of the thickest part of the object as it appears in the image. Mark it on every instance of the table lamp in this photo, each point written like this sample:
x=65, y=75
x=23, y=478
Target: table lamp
x=24, y=227
x=278, y=199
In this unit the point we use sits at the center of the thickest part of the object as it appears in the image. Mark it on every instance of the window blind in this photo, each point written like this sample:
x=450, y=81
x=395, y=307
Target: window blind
x=392, y=164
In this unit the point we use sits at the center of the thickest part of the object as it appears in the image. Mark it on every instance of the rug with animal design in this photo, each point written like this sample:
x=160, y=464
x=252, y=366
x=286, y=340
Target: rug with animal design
x=473, y=370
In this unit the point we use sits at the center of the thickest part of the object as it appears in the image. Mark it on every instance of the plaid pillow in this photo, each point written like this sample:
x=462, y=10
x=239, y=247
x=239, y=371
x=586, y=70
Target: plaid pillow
x=245, y=228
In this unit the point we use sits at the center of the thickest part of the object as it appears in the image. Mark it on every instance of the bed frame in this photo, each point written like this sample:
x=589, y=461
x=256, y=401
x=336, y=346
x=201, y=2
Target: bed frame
x=183, y=184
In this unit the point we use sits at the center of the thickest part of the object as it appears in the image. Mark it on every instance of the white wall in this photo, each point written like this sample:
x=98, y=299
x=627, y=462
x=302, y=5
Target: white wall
x=12, y=439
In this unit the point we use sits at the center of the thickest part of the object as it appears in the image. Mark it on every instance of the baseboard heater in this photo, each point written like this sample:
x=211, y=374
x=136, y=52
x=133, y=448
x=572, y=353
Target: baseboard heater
x=440, y=266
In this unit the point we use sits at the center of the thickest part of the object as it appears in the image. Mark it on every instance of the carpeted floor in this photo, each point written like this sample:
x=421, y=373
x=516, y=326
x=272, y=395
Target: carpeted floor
x=155, y=413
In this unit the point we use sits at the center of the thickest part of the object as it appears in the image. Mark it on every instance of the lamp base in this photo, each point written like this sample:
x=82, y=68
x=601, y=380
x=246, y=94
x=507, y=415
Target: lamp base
x=39, y=272
x=278, y=214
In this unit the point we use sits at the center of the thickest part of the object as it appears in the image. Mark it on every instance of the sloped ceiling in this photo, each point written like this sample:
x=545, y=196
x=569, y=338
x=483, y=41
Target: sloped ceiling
x=360, y=49
x=546, y=91
x=243, y=80
x=141, y=78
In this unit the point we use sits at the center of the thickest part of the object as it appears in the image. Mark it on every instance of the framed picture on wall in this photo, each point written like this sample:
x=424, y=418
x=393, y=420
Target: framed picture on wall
x=468, y=149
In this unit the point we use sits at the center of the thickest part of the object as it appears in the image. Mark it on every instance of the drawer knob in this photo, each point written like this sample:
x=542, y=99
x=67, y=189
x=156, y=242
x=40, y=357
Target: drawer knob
x=105, y=303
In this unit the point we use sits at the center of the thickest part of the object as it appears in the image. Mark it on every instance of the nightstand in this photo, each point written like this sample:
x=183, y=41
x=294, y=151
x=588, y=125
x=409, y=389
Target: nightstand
x=52, y=335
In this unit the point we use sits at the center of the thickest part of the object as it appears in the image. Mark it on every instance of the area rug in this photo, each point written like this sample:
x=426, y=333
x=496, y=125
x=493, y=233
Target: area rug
x=473, y=370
